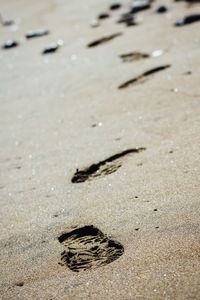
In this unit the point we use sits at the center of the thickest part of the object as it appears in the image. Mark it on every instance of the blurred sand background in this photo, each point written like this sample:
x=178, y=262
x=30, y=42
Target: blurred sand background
x=64, y=111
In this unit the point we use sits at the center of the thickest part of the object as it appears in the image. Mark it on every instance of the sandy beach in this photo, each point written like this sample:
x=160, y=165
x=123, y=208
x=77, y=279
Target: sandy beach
x=100, y=135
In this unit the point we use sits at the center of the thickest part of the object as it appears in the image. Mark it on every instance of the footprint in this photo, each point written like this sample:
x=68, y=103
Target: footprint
x=188, y=20
x=162, y=9
x=104, y=167
x=138, y=6
x=189, y=1
x=36, y=33
x=103, y=16
x=103, y=40
x=10, y=44
x=88, y=248
x=135, y=7
x=127, y=19
x=133, y=56
x=115, y=6
x=51, y=48
x=141, y=78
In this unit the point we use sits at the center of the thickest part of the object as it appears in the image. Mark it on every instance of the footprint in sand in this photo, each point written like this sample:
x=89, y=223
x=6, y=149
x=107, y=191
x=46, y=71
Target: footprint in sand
x=88, y=248
x=104, y=167
x=103, y=40
x=141, y=78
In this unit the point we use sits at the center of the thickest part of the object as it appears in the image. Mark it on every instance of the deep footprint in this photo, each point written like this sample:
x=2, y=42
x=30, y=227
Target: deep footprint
x=104, y=167
x=103, y=40
x=143, y=76
x=88, y=248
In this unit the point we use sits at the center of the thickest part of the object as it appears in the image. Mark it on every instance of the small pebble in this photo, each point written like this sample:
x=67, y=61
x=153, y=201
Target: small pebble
x=94, y=23
x=157, y=53
x=60, y=42
x=175, y=90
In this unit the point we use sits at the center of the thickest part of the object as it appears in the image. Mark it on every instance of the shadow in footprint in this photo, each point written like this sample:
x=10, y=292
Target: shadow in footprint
x=129, y=17
x=10, y=44
x=88, y=248
x=103, y=40
x=133, y=56
x=103, y=167
x=36, y=33
x=141, y=78
x=188, y=20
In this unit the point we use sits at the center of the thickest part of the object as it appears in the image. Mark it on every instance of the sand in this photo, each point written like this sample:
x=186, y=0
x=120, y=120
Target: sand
x=64, y=111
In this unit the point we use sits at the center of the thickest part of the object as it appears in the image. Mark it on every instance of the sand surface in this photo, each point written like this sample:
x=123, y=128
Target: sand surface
x=63, y=111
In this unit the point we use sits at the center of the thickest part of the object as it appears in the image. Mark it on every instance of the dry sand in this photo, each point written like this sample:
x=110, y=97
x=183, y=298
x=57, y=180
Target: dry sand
x=49, y=105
